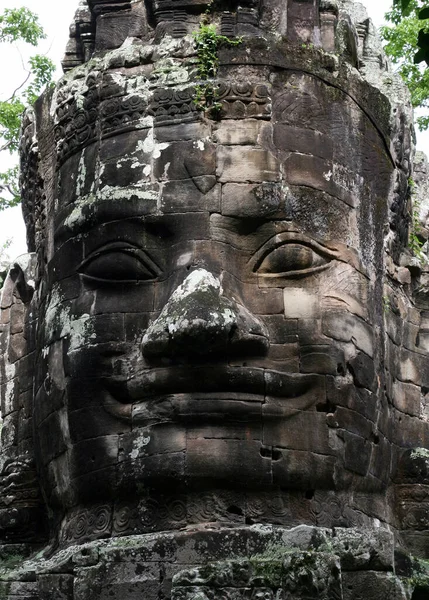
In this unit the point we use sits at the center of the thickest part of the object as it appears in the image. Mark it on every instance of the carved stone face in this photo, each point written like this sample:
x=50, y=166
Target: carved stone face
x=212, y=299
x=210, y=333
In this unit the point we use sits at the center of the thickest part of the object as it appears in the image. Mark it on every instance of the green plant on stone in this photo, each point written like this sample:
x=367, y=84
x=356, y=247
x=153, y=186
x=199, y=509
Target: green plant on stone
x=11, y=561
x=208, y=42
x=386, y=304
x=419, y=579
x=414, y=243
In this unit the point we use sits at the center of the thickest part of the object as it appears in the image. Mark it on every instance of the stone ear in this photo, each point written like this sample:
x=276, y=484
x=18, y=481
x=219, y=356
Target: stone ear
x=23, y=284
x=15, y=297
x=21, y=506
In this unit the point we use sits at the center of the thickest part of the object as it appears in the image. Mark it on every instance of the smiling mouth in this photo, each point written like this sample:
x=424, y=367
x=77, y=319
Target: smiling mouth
x=210, y=393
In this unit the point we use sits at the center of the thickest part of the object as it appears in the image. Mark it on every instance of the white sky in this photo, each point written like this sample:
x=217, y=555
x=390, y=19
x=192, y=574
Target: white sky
x=55, y=18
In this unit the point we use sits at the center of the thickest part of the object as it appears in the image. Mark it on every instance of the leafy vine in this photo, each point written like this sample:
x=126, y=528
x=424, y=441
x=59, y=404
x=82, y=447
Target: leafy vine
x=208, y=42
x=414, y=243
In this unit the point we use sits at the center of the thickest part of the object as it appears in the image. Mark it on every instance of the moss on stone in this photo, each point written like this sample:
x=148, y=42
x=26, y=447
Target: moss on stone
x=420, y=453
x=419, y=579
x=4, y=589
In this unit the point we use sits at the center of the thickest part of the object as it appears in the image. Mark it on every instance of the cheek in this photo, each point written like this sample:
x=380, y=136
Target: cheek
x=339, y=289
x=343, y=288
x=301, y=303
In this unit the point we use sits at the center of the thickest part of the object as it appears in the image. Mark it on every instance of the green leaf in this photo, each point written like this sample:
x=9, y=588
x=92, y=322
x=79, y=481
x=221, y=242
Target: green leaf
x=20, y=24
x=404, y=6
x=402, y=46
x=9, y=188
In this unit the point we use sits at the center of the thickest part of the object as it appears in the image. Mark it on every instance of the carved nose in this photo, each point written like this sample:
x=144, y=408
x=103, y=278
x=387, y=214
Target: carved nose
x=198, y=320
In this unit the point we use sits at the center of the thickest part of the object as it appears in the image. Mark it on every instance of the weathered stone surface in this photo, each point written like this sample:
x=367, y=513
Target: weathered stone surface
x=222, y=332
x=310, y=562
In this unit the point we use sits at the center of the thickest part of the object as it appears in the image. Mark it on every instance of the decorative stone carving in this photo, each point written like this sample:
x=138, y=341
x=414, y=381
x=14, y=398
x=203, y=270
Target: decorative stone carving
x=218, y=351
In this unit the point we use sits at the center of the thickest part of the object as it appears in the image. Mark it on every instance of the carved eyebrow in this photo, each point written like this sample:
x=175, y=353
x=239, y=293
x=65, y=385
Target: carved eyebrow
x=88, y=213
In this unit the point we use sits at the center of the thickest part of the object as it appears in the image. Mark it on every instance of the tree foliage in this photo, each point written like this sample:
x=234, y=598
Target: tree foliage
x=401, y=45
x=20, y=25
x=419, y=9
x=4, y=260
x=403, y=38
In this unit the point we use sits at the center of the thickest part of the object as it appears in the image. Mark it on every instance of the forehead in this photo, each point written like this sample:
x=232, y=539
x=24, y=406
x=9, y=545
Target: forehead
x=298, y=150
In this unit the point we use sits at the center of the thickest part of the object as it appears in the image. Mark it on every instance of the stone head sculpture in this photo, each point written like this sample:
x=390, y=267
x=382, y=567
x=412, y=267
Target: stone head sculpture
x=222, y=325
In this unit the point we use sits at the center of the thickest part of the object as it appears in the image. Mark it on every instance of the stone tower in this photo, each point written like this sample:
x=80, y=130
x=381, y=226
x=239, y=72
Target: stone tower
x=214, y=359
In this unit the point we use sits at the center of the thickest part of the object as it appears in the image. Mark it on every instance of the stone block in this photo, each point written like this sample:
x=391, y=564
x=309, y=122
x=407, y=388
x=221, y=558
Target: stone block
x=301, y=303
x=50, y=437
x=243, y=164
x=407, y=398
x=55, y=587
x=186, y=196
x=126, y=172
x=357, y=453
x=94, y=421
x=328, y=22
x=285, y=355
x=9, y=395
x=125, y=145
x=94, y=454
x=9, y=431
x=416, y=541
x=303, y=470
x=353, y=422
x=308, y=390
x=310, y=332
x=17, y=347
x=266, y=302
x=245, y=132
x=363, y=550
x=303, y=141
x=156, y=439
x=17, y=316
x=113, y=29
x=363, y=371
x=409, y=368
x=4, y=315
x=108, y=328
x=381, y=456
x=251, y=201
x=349, y=328
x=372, y=584
x=323, y=359
x=20, y=590
x=137, y=299
x=246, y=430
x=404, y=275
x=233, y=462
x=300, y=430
x=182, y=131
x=184, y=160
x=317, y=173
x=311, y=171
x=280, y=329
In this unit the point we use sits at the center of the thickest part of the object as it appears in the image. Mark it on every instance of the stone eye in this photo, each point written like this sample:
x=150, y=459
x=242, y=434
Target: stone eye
x=119, y=264
x=290, y=260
